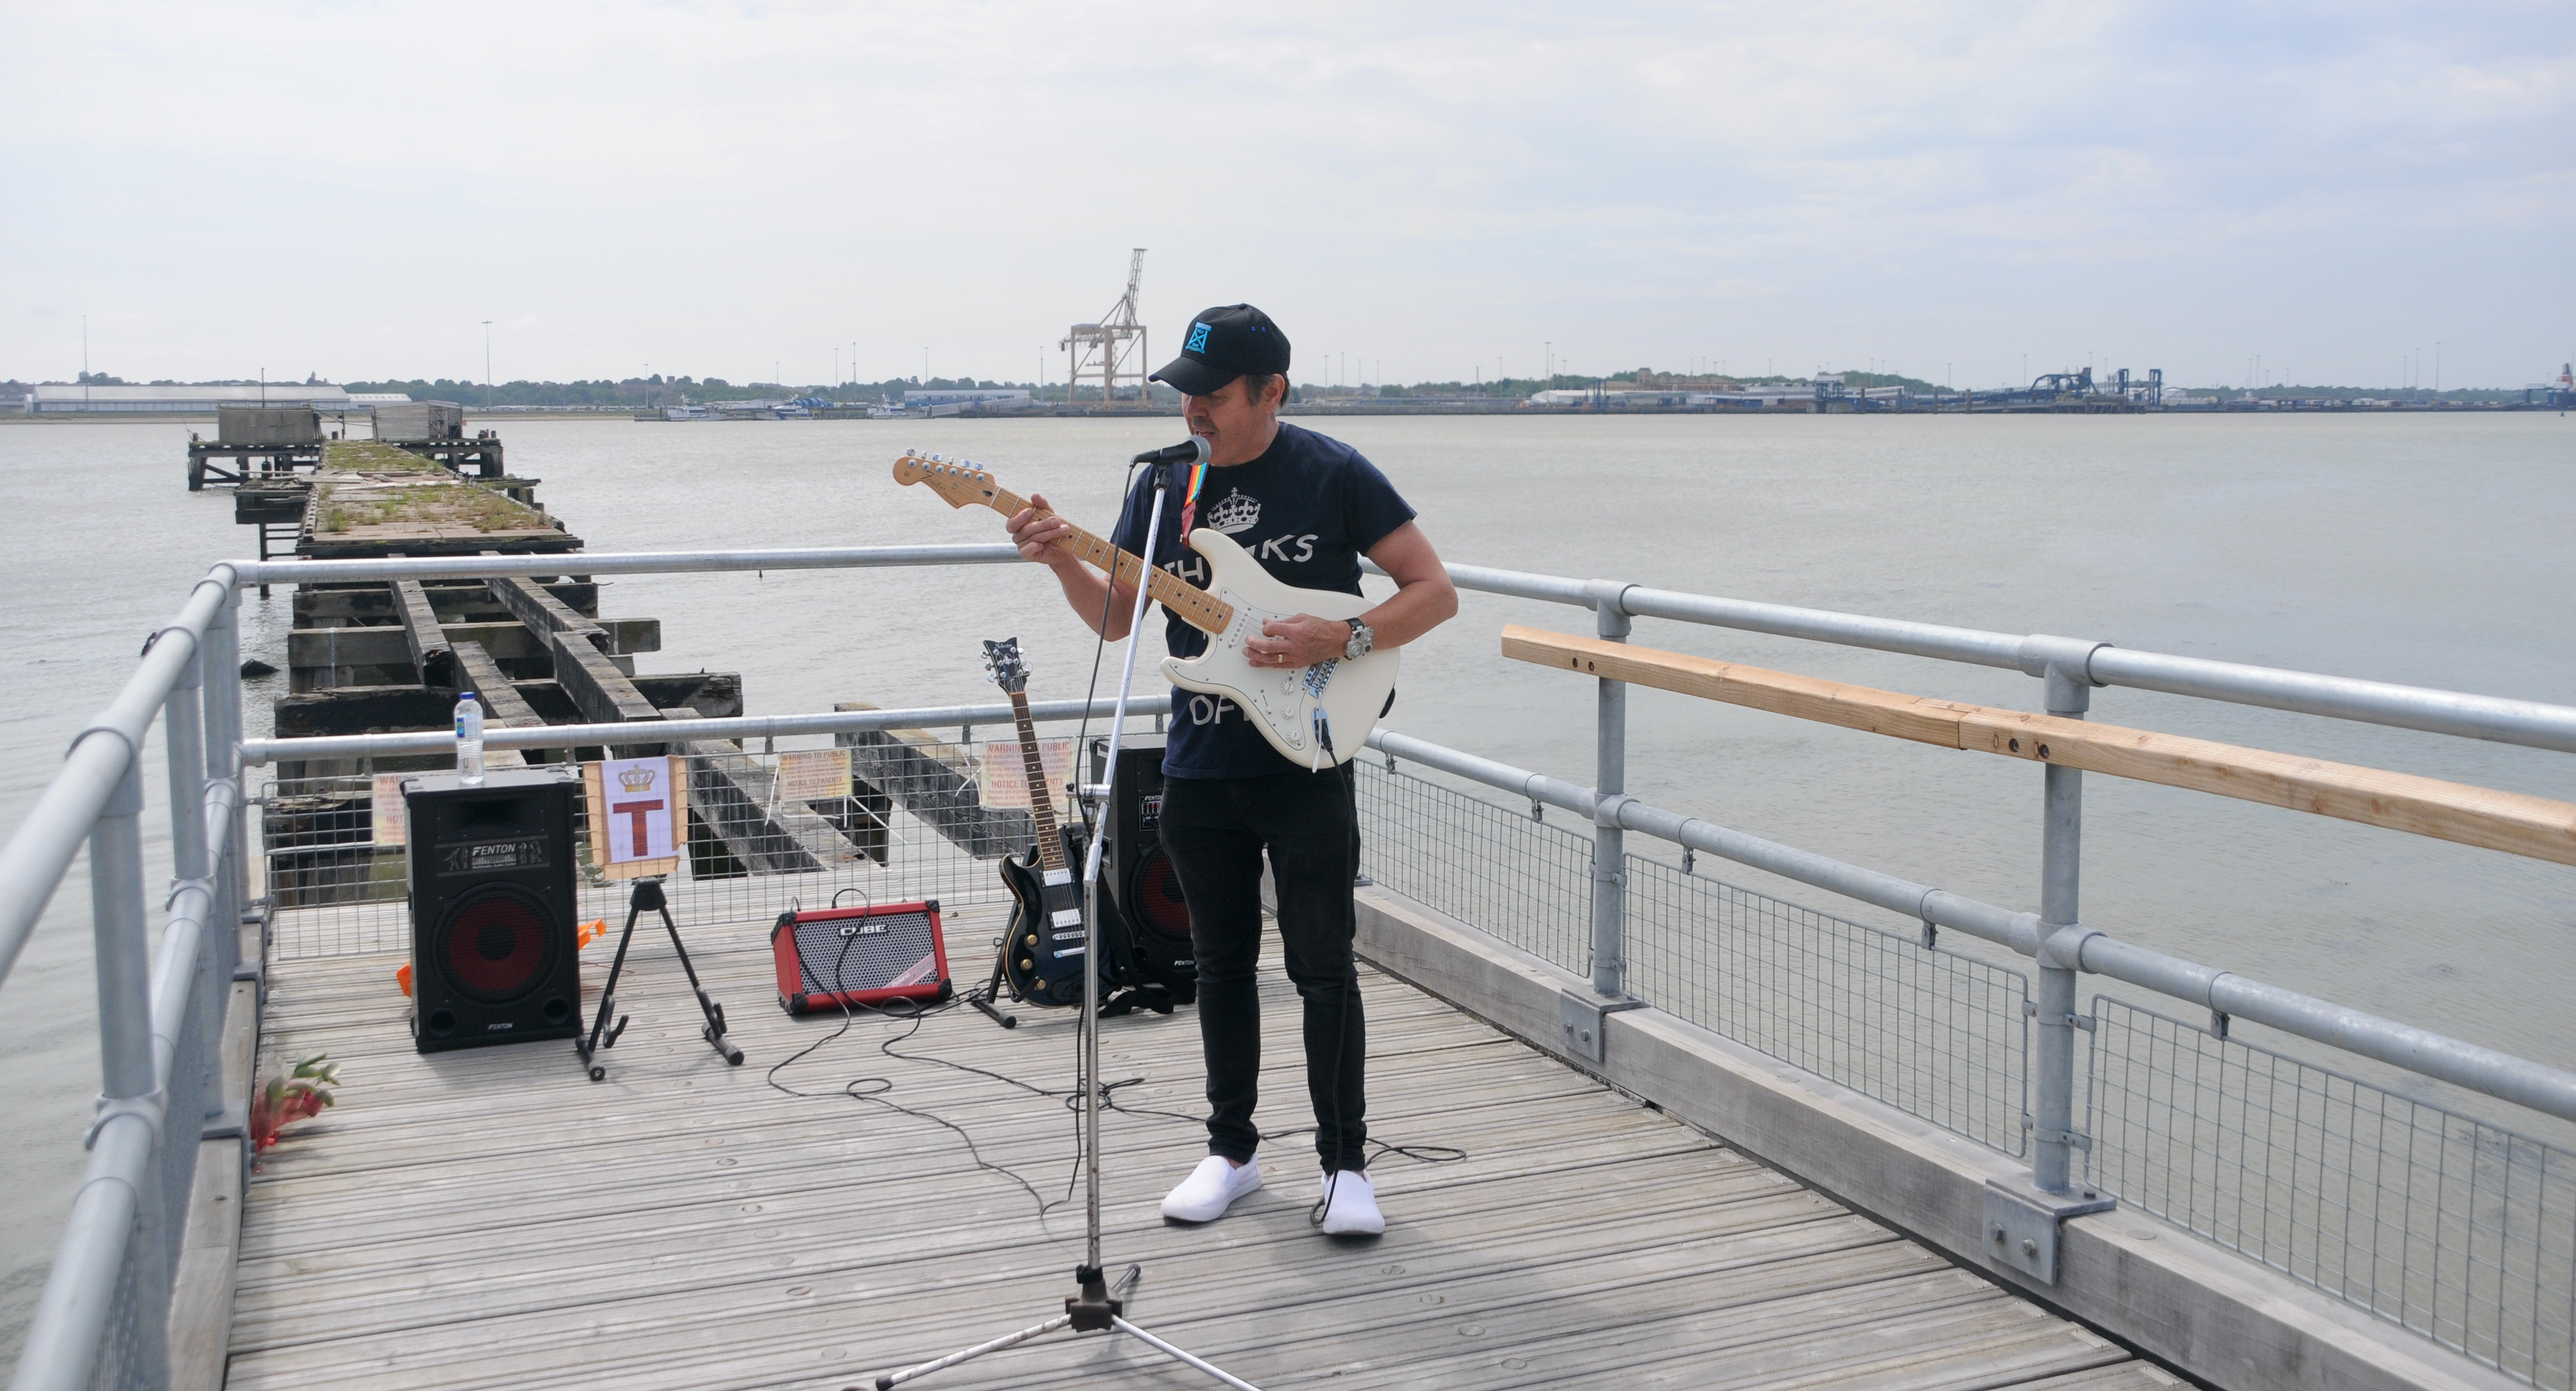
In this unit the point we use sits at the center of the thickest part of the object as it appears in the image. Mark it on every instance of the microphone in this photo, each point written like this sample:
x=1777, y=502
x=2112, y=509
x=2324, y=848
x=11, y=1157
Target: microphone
x=1194, y=450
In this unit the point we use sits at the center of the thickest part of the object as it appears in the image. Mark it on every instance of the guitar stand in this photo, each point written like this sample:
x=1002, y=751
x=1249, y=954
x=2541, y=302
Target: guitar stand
x=988, y=999
x=602, y=1037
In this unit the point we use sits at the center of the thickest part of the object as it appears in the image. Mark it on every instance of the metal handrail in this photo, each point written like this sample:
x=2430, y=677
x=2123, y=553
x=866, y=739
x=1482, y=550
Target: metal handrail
x=2518, y=1080
x=189, y=674
x=2531, y=723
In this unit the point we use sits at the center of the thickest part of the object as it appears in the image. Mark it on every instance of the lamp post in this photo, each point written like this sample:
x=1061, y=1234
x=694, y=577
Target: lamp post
x=487, y=366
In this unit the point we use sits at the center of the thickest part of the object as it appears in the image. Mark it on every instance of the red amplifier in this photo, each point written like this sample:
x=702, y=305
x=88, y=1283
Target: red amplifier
x=835, y=957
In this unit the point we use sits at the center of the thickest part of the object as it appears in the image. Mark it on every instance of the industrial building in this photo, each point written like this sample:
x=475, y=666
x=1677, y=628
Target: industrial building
x=196, y=400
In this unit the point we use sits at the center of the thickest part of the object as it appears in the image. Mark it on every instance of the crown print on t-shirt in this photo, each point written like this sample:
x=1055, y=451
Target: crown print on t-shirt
x=1238, y=512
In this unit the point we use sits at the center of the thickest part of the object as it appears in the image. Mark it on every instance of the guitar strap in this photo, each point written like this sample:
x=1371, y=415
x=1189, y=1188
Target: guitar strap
x=1190, y=500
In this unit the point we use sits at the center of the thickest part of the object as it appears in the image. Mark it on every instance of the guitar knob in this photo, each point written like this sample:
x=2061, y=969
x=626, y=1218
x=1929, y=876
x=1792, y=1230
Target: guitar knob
x=1033, y=939
x=1027, y=965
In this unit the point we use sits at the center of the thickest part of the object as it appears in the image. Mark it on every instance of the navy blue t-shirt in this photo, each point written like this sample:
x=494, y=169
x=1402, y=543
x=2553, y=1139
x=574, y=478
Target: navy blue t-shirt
x=1307, y=509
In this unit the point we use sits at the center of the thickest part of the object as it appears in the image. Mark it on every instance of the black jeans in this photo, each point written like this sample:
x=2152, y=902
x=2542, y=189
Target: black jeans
x=1215, y=830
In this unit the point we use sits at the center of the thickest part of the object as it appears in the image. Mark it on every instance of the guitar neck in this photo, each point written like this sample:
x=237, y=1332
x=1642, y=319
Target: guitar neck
x=1041, y=805
x=1197, y=607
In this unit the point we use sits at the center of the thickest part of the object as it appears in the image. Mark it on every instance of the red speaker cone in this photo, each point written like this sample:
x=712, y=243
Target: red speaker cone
x=495, y=945
x=1154, y=898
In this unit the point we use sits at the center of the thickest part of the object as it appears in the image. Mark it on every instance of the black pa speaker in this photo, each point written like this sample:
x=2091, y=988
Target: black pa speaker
x=493, y=956
x=1145, y=892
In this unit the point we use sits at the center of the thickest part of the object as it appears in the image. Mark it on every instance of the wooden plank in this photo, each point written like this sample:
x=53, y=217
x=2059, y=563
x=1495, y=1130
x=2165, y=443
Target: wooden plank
x=1781, y=693
x=509, y=641
x=736, y=796
x=2512, y=822
x=501, y=700
x=922, y=773
x=541, y=611
x=431, y=654
x=603, y=694
x=456, y=600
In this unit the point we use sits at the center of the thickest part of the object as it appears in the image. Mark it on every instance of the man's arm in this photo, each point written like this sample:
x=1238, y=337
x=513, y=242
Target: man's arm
x=1423, y=600
x=1041, y=534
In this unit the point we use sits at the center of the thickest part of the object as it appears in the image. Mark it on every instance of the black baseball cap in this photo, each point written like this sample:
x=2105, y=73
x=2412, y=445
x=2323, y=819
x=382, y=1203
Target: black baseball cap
x=1225, y=343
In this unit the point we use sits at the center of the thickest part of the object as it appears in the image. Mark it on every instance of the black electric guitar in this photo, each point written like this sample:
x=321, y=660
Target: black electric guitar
x=1043, y=957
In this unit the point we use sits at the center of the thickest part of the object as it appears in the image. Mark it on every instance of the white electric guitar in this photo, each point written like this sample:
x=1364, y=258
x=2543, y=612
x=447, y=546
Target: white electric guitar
x=1316, y=716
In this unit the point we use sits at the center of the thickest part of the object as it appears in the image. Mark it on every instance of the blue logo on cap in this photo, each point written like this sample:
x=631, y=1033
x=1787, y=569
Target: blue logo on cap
x=1198, y=339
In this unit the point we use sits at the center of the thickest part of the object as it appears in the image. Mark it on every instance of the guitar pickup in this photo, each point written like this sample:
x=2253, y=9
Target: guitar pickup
x=1058, y=878
x=1066, y=917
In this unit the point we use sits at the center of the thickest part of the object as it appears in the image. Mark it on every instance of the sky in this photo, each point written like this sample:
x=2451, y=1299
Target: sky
x=1964, y=193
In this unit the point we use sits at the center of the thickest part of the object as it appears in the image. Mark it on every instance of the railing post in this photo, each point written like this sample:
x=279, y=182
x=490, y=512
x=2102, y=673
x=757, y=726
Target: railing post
x=132, y=1090
x=1610, y=779
x=2061, y=861
x=221, y=671
x=1582, y=1012
x=184, y=735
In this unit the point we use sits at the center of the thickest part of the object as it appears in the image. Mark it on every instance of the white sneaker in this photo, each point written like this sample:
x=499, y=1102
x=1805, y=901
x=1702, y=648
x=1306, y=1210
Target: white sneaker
x=1211, y=1188
x=1350, y=1205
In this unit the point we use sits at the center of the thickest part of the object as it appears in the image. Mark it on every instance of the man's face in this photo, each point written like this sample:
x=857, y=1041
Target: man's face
x=1238, y=428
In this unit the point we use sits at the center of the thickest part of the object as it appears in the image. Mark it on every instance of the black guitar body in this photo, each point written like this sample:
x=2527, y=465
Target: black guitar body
x=1042, y=958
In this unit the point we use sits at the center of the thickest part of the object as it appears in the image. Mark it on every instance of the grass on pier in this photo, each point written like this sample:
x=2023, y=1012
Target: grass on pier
x=369, y=486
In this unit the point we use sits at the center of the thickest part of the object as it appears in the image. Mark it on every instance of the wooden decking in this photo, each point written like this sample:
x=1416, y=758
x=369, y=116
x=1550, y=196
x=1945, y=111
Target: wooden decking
x=492, y=1219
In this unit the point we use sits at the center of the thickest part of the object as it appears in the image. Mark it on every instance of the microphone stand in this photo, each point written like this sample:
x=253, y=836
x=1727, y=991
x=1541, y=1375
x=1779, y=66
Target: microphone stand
x=1092, y=1308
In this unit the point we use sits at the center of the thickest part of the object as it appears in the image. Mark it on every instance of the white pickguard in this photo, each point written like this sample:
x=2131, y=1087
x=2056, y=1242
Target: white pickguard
x=1284, y=704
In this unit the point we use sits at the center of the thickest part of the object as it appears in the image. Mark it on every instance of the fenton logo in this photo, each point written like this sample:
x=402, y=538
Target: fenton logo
x=636, y=779
x=1198, y=339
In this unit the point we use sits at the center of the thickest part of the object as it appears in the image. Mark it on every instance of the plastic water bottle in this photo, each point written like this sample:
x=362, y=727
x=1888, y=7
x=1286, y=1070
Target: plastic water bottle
x=469, y=740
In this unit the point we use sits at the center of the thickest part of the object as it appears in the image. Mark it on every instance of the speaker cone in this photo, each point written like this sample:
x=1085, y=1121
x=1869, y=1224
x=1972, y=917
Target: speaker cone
x=495, y=943
x=1154, y=903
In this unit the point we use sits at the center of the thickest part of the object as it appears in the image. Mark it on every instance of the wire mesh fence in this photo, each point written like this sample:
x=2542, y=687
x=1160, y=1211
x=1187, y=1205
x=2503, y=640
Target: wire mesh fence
x=1935, y=1034
x=2450, y=1226
x=873, y=817
x=1504, y=870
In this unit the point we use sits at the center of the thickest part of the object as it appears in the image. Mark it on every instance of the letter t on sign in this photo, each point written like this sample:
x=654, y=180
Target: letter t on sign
x=639, y=820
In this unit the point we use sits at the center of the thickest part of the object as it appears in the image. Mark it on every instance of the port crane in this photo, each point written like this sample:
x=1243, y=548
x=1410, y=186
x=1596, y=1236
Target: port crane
x=1112, y=351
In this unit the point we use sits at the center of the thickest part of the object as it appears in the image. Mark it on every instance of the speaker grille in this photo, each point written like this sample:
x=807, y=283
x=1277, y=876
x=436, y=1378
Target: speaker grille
x=881, y=952
x=1154, y=900
x=497, y=943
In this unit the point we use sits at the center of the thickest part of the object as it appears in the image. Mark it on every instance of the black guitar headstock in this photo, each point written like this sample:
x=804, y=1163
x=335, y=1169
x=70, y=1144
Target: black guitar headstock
x=1003, y=660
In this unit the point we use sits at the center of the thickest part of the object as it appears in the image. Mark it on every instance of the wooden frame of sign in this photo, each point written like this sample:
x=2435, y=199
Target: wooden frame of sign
x=637, y=869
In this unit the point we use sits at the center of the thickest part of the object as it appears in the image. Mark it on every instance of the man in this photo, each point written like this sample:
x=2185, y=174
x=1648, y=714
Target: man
x=1308, y=508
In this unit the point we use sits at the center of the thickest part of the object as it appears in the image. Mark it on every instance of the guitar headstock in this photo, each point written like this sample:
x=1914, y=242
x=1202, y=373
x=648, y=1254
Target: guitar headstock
x=1003, y=660
x=960, y=482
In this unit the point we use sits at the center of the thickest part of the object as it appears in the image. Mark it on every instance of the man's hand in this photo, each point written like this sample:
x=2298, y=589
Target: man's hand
x=1298, y=641
x=1040, y=533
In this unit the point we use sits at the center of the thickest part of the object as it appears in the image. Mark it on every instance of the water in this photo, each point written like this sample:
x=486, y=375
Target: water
x=2420, y=549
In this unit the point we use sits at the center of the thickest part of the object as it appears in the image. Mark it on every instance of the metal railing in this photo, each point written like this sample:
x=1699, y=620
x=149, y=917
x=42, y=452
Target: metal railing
x=1984, y=1051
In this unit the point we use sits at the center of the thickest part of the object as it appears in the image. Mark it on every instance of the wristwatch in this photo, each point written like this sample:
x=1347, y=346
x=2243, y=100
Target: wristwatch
x=1363, y=637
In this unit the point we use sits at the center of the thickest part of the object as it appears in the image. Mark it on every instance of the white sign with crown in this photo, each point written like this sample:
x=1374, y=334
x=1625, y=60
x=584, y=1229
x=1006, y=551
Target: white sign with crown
x=634, y=813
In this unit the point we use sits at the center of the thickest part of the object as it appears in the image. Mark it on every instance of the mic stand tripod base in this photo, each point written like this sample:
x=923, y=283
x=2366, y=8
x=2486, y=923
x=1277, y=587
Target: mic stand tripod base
x=1090, y=1311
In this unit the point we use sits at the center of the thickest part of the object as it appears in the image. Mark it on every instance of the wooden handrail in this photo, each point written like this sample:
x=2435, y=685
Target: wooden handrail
x=2535, y=827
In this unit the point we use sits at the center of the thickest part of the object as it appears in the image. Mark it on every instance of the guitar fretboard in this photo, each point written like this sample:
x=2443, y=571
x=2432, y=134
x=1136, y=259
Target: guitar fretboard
x=1197, y=607
x=1033, y=767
